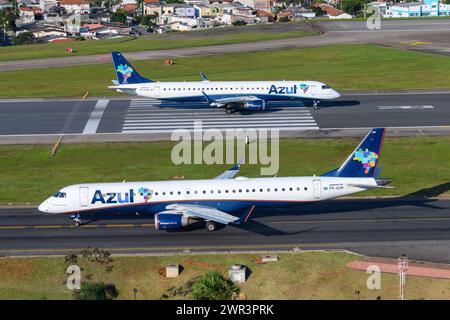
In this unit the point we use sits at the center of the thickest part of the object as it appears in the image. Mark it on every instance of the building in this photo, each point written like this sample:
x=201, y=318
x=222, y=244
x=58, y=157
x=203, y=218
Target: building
x=26, y=16
x=425, y=8
x=265, y=5
x=332, y=12
x=76, y=6
x=151, y=9
x=184, y=11
x=202, y=10
x=46, y=5
x=5, y=4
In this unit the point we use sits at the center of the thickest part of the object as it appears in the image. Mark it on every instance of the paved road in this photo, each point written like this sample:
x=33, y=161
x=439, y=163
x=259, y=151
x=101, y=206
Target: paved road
x=145, y=119
x=428, y=35
x=382, y=227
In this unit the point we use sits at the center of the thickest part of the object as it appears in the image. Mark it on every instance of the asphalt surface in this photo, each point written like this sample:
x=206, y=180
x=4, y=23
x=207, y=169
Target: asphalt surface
x=417, y=227
x=426, y=35
x=28, y=121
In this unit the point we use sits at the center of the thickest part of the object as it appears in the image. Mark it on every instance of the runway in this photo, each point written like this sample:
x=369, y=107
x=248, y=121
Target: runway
x=382, y=227
x=42, y=121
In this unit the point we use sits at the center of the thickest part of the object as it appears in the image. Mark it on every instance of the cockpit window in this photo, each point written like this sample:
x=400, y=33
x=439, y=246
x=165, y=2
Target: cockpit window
x=59, y=195
x=325, y=87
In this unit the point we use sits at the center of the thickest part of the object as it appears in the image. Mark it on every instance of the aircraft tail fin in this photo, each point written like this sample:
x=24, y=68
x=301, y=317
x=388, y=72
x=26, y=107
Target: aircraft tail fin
x=363, y=161
x=125, y=72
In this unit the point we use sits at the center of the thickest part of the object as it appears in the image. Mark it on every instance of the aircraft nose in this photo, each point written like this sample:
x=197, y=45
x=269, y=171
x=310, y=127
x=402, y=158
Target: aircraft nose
x=44, y=206
x=336, y=94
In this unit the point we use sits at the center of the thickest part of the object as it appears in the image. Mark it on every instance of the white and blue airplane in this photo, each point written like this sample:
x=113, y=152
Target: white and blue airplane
x=231, y=95
x=176, y=204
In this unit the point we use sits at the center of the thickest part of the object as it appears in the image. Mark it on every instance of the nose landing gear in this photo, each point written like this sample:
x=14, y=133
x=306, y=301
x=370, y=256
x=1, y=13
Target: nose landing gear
x=76, y=219
x=316, y=104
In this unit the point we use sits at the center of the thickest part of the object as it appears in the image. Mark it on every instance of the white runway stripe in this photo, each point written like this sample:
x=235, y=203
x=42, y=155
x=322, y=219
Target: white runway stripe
x=154, y=116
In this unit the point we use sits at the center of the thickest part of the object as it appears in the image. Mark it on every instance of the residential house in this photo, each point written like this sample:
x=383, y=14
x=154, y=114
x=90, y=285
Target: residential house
x=265, y=5
x=5, y=4
x=46, y=5
x=332, y=12
x=202, y=11
x=184, y=11
x=26, y=16
x=265, y=16
x=76, y=6
x=151, y=9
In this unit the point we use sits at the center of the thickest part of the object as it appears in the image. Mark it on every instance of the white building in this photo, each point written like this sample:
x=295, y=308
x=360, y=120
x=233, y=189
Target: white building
x=76, y=6
x=425, y=8
x=45, y=5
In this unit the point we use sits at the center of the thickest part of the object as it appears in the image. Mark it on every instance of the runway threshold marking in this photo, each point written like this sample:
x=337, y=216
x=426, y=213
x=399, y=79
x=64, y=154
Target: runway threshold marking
x=96, y=115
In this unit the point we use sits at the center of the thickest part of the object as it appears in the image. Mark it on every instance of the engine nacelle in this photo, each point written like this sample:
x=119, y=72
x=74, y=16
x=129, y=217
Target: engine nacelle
x=170, y=221
x=255, y=105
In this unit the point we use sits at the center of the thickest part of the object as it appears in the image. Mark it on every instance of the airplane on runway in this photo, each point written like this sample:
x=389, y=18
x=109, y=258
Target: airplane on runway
x=176, y=204
x=231, y=95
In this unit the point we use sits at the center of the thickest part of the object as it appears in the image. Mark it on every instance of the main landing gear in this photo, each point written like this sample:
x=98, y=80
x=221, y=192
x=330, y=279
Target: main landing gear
x=228, y=110
x=210, y=226
x=76, y=219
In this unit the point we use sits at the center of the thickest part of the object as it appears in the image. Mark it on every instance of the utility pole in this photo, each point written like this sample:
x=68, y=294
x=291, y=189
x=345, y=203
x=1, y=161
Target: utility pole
x=402, y=270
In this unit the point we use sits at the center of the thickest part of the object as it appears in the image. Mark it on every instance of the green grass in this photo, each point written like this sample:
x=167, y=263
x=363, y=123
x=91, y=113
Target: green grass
x=307, y=275
x=29, y=174
x=144, y=43
x=346, y=67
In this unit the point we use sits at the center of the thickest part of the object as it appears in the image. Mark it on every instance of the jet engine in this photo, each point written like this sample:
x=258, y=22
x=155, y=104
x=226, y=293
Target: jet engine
x=170, y=221
x=255, y=105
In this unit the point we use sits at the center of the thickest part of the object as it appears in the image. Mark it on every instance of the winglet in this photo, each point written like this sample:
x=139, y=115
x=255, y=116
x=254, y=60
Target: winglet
x=230, y=173
x=204, y=77
x=243, y=219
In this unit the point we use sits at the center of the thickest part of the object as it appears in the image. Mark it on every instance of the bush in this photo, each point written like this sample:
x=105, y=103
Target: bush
x=96, y=291
x=24, y=38
x=239, y=23
x=213, y=286
x=283, y=19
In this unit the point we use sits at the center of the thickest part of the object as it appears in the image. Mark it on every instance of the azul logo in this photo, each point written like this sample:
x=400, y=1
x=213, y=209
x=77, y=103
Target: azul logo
x=146, y=193
x=126, y=71
x=113, y=197
x=304, y=87
x=283, y=90
x=367, y=158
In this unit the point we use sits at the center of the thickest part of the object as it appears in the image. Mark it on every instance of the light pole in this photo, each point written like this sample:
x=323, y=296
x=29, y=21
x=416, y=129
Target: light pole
x=135, y=291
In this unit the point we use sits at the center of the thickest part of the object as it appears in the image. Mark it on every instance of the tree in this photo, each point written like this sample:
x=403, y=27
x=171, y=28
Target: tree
x=140, y=6
x=149, y=20
x=24, y=38
x=96, y=291
x=283, y=19
x=119, y=16
x=213, y=286
x=352, y=7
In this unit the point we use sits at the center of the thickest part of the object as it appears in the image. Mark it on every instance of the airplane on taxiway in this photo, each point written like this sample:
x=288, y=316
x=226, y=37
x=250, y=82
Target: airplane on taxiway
x=232, y=96
x=176, y=204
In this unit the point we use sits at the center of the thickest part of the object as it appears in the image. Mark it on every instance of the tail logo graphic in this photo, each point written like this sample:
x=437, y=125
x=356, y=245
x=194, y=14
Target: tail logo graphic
x=367, y=158
x=146, y=193
x=126, y=71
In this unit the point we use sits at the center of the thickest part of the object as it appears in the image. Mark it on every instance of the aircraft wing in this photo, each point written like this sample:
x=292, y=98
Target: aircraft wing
x=225, y=101
x=230, y=173
x=208, y=213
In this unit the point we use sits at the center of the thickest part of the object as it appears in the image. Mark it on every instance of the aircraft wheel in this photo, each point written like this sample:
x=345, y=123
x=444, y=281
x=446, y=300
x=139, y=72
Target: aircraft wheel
x=77, y=224
x=228, y=111
x=210, y=226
